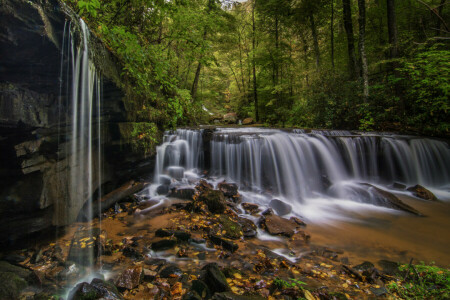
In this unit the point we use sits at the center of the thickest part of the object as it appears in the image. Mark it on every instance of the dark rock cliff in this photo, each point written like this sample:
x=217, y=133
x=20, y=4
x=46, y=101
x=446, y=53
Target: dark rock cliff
x=34, y=160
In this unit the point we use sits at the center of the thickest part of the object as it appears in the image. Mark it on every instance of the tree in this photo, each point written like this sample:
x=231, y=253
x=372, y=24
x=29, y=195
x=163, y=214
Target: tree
x=348, y=24
x=362, y=46
x=392, y=28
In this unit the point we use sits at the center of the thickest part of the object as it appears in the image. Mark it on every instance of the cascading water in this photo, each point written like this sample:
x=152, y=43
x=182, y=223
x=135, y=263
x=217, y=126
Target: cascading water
x=82, y=87
x=306, y=168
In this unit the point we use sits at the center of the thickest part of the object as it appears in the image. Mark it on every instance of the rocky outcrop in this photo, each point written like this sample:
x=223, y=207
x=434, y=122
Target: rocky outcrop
x=35, y=130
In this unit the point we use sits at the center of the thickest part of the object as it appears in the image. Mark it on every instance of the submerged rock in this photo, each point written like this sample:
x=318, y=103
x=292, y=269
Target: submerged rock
x=85, y=246
x=214, y=200
x=398, y=186
x=281, y=208
x=423, y=193
x=130, y=278
x=170, y=271
x=162, y=189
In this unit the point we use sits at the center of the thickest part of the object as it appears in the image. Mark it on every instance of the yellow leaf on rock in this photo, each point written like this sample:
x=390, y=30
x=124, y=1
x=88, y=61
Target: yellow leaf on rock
x=345, y=285
x=308, y=295
x=237, y=276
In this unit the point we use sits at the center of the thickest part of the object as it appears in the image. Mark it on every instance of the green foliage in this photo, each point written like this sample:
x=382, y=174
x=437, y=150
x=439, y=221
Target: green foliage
x=90, y=7
x=292, y=283
x=144, y=137
x=422, y=282
x=426, y=81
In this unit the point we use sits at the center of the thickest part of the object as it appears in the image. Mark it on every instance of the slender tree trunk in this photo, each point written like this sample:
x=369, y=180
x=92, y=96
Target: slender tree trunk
x=255, y=92
x=195, y=83
x=241, y=65
x=392, y=28
x=362, y=47
x=438, y=20
x=315, y=39
x=332, y=34
x=353, y=68
x=275, y=65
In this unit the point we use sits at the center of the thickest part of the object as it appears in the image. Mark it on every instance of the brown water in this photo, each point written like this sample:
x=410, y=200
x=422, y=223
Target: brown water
x=396, y=237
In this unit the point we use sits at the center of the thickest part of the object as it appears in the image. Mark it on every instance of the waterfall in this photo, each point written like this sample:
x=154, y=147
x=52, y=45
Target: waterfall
x=82, y=108
x=296, y=165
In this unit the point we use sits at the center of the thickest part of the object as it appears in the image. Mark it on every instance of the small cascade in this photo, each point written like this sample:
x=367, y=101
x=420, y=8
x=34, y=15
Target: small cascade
x=81, y=85
x=181, y=150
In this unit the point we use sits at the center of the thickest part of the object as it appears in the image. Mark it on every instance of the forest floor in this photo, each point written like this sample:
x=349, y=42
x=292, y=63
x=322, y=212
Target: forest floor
x=180, y=250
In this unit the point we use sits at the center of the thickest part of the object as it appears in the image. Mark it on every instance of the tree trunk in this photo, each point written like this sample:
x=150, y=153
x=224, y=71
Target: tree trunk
x=438, y=20
x=196, y=79
x=255, y=92
x=362, y=46
x=392, y=28
x=315, y=39
x=353, y=68
x=332, y=33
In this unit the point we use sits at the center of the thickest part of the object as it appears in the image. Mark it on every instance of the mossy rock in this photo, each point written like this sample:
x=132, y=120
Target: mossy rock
x=230, y=228
x=11, y=285
x=214, y=200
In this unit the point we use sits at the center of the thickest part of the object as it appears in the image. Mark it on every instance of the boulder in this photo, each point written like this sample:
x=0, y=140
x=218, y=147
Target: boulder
x=132, y=253
x=247, y=121
x=230, y=118
x=164, y=179
x=398, y=186
x=281, y=208
x=11, y=285
x=224, y=243
x=201, y=289
x=214, y=278
x=176, y=172
x=184, y=193
x=163, y=245
x=276, y=225
x=130, y=278
x=214, y=200
x=228, y=189
x=423, y=193
x=229, y=228
x=250, y=208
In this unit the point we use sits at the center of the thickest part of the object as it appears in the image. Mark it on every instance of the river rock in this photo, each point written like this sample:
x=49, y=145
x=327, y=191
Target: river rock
x=250, y=208
x=389, y=267
x=276, y=225
x=398, y=186
x=201, y=289
x=165, y=244
x=214, y=278
x=214, y=200
x=298, y=221
x=224, y=243
x=230, y=118
x=231, y=296
x=423, y=193
x=248, y=227
x=132, y=253
x=184, y=193
x=162, y=189
x=164, y=179
x=389, y=200
x=170, y=271
x=130, y=278
x=176, y=172
x=97, y=289
x=203, y=186
x=229, y=228
x=228, y=189
x=280, y=207
x=247, y=121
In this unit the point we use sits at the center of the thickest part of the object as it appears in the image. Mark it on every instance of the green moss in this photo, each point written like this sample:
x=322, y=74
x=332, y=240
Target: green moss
x=232, y=229
x=11, y=285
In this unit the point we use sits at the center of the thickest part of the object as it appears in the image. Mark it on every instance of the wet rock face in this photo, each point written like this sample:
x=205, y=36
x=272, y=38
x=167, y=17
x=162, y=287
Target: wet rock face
x=214, y=200
x=214, y=278
x=97, y=289
x=276, y=225
x=281, y=208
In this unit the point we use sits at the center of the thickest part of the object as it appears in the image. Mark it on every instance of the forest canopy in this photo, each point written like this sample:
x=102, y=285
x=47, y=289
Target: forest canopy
x=341, y=64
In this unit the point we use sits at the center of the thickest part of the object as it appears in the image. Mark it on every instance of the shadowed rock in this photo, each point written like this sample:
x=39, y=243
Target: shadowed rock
x=423, y=193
